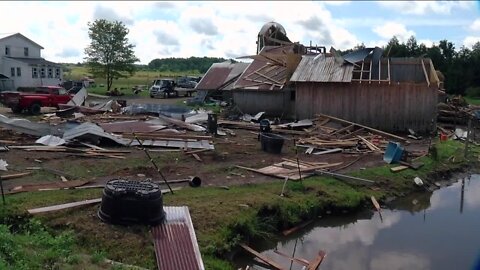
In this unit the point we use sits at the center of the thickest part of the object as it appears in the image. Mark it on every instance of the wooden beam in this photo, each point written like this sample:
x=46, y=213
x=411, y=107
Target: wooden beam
x=425, y=73
x=262, y=257
x=370, y=74
x=379, y=70
x=388, y=67
x=361, y=71
x=317, y=261
x=13, y=176
x=63, y=206
x=297, y=260
x=365, y=127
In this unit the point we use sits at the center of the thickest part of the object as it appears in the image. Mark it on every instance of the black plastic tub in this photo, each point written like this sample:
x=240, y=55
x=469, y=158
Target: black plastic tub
x=271, y=143
x=132, y=202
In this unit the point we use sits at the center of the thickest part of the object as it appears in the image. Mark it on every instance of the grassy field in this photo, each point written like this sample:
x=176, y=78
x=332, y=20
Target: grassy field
x=224, y=218
x=141, y=77
x=472, y=101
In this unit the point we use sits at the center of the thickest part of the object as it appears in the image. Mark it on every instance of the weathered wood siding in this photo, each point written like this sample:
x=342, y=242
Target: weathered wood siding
x=272, y=102
x=394, y=107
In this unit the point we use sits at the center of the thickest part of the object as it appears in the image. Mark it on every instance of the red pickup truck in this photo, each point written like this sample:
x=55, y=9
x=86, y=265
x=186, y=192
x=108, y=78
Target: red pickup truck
x=44, y=96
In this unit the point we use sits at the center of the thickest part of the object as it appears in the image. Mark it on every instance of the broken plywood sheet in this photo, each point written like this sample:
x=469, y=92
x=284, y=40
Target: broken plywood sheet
x=288, y=169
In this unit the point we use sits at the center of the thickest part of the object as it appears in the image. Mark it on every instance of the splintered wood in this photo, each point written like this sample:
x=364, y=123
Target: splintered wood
x=290, y=169
x=344, y=136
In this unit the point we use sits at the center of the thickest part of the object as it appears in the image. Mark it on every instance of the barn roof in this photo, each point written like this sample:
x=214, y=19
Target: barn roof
x=322, y=68
x=221, y=75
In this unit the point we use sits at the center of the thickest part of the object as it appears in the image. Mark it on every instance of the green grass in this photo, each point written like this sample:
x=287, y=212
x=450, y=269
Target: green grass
x=224, y=218
x=472, y=101
x=141, y=77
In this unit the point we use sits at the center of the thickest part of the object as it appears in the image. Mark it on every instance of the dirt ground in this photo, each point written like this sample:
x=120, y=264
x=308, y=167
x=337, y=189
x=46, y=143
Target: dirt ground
x=217, y=167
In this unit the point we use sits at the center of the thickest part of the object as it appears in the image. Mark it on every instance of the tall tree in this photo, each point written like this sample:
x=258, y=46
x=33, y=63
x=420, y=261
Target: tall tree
x=109, y=54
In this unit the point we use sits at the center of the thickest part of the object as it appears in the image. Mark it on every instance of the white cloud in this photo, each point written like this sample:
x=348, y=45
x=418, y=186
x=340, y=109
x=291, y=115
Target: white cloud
x=426, y=7
x=221, y=29
x=475, y=25
x=390, y=29
x=399, y=261
x=469, y=41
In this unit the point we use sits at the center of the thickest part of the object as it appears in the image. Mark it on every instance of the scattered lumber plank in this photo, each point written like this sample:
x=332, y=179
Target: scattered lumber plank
x=370, y=145
x=262, y=257
x=15, y=175
x=317, y=261
x=197, y=157
x=63, y=206
x=398, y=168
x=375, y=203
x=297, y=260
x=365, y=127
x=329, y=151
x=343, y=176
x=296, y=228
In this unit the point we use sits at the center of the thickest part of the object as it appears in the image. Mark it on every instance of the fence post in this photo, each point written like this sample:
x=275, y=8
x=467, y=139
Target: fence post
x=468, y=136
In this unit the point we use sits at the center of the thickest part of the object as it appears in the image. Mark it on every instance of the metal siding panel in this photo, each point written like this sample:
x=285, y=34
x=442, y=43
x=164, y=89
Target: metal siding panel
x=175, y=241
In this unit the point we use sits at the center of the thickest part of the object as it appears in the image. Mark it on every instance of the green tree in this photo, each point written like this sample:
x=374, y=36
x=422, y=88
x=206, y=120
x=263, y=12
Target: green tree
x=109, y=54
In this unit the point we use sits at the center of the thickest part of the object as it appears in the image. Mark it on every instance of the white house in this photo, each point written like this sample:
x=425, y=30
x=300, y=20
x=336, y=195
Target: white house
x=21, y=64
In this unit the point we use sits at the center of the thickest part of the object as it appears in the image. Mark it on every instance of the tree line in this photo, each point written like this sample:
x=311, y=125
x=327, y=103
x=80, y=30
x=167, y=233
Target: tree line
x=461, y=68
x=199, y=64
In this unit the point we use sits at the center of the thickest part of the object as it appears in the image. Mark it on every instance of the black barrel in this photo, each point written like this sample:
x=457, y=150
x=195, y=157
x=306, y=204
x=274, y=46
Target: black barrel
x=212, y=123
x=271, y=143
x=129, y=202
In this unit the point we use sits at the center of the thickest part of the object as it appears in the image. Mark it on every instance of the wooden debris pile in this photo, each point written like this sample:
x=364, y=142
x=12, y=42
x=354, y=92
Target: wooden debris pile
x=331, y=135
x=454, y=113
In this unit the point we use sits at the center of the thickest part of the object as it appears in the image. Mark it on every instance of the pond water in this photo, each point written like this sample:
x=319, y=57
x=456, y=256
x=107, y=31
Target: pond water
x=439, y=230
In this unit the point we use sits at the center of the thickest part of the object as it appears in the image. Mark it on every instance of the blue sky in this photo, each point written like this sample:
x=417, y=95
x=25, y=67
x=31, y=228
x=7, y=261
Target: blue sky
x=229, y=29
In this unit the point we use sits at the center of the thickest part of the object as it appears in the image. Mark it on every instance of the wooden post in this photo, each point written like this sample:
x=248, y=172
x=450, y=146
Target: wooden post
x=468, y=136
x=388, y=68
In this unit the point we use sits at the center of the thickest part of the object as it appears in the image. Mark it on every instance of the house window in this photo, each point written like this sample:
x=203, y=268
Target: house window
x=50, y=73
x=57, y=73
x=42, y=72
x=19, y=72
x=12, y=72
x=34, y=73
x=25, y=51
x=7, y=50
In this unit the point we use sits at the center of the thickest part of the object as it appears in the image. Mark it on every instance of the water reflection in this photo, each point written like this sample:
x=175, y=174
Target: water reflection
x=436, y=230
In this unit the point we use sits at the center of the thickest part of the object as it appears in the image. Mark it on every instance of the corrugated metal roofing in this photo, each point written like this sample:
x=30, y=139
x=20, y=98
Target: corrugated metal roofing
x=322, y=69
x=175, y=242
x=219, y=74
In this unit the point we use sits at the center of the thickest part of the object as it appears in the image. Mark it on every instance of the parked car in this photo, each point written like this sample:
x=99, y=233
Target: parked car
x=44, y=96
x=163, y=88
x=187, y=82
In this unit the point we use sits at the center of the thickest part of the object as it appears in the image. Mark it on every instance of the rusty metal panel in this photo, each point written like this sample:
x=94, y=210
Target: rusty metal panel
x=322, y=69
x=220, y=73
x=389, y=107
x=175, y=242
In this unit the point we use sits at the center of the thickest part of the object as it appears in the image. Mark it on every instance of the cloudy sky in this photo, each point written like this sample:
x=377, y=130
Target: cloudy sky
x=229, y=29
